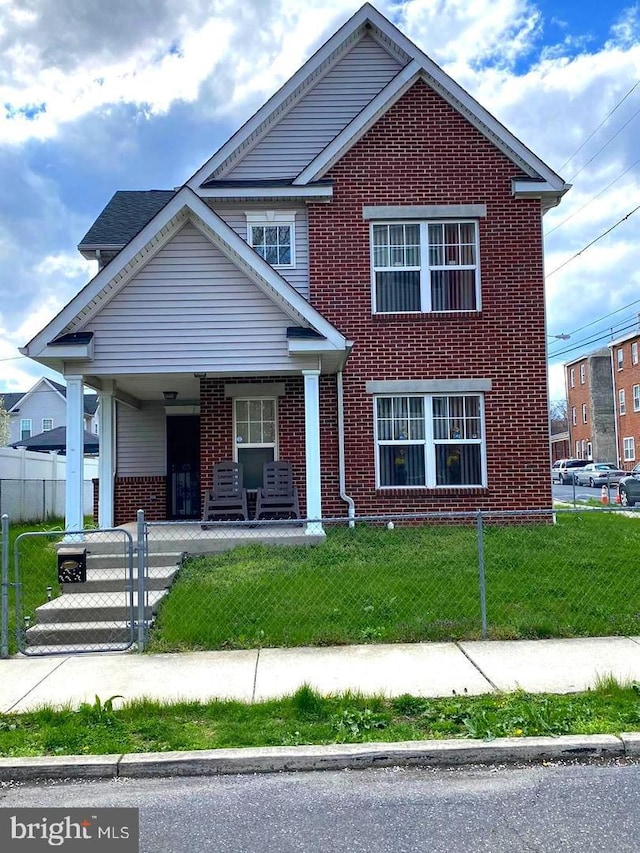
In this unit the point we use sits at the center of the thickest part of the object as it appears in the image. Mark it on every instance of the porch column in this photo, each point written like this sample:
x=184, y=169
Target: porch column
x=312, y=448
x=106, y=420
x=74, y=510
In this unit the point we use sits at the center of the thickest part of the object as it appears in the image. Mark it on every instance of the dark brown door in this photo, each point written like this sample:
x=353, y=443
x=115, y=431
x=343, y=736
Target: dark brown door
x=183, y=466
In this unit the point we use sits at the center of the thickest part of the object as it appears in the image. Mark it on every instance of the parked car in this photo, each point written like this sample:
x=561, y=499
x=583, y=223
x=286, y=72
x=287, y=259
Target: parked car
x=598, y=474
x=629, y=487
x=563, y=470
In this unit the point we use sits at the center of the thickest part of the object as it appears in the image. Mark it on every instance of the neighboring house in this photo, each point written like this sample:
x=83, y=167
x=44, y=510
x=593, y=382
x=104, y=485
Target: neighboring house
x=43, y=408
x=560, y=446
x=55, y=441
x=591, y=415
x=625, y=373
x=346, y=284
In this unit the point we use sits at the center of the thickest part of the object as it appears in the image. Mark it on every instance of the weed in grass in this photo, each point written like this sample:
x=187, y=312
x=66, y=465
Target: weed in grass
x=353, y=723
x=99, y=712
x=308, y=703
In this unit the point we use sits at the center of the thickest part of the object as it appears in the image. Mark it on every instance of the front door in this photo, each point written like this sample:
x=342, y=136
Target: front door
x=183, y=466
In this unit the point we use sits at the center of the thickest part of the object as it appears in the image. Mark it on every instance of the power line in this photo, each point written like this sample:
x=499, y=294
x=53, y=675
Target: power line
x=580, y=209
x=600, y=150
x=604, y=317
x=588, y=246
x=598, y=337
x=604, y=121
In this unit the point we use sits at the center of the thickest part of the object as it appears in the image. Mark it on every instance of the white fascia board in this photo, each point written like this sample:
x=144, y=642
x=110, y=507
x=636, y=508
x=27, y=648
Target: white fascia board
x=361, y=123
x=308, y=346
x=262, y=273
x=260, y=193
x=549, y=195
x=82, y=300
x=276, y=101
x=69, y=352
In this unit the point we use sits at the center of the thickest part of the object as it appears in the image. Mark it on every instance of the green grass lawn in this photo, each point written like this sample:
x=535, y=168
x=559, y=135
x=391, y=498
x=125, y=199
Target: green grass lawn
x=308, y=718
x=369, y=584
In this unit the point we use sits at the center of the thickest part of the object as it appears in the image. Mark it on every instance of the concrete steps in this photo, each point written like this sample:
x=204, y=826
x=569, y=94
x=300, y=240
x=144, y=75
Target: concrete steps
x=96, y=615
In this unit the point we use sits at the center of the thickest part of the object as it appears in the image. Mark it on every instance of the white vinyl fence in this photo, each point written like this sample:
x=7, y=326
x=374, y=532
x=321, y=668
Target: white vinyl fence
x=32, y=485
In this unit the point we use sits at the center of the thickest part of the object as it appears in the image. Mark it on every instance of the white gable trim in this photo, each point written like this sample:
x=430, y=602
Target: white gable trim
x=389, y=36
x=329, y=53
x=361, y=123
x=33, y=389
x=185, y=205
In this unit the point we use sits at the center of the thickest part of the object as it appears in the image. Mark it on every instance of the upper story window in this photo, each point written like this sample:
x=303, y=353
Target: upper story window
x=622, y=402
x=634, y=352
x=584, y=413
x=574, y=419
x=636, y=398
x=572, y=377
x=582, y=374
x=425, y=266
x=272, y=235
x=25, y=428
x=47, y=424
x=620, y=358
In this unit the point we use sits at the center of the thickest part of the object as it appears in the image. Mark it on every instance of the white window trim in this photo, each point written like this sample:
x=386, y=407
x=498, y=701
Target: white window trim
x=584, y=413
x=429, y=444
x=237, y=444
x=620, y=358
x=425, y=268
x=574, y=417
x=622, y=402
x=589, y=451
x=26, y=424
x=629, y=441
x=577, y=449
x=45, y=428
x=634, y=352
x=267, y=218
x=582, y=374
x=636, y=398
x=572, y=377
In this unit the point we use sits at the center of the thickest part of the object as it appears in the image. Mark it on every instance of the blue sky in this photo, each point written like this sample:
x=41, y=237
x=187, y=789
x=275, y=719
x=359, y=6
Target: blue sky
x=136, y=94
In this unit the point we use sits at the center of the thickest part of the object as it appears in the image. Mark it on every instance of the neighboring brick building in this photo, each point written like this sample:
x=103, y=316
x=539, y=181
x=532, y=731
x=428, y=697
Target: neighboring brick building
x=590, y=409
x=625, y=370
x=345, y=284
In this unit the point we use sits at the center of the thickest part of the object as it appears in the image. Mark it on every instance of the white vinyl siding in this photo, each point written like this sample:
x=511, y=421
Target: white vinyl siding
x=297, y=277
x=329, y=106
x=141, y=442
x=190, y=308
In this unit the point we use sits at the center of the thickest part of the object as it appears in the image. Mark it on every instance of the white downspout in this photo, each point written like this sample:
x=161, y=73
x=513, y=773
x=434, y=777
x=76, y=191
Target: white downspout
x=341, y=467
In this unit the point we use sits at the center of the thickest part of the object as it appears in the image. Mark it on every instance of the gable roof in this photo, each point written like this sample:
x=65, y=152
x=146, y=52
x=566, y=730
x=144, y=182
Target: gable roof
x=185, y=205
x=123, y=216
x=12, y=400
x=367, y=21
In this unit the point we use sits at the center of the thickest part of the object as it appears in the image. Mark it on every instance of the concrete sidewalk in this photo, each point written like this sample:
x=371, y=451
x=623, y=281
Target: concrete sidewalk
x=421, y=669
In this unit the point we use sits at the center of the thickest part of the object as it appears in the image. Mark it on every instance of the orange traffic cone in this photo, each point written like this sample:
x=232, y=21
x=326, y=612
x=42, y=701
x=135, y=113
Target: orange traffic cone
x=604, y=495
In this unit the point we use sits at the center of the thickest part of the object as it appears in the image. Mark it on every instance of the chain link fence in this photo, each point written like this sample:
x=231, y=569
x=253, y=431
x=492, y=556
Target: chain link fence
x=410, y=578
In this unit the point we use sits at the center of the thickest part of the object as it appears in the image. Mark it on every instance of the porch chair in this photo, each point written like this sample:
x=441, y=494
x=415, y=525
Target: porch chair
x=278, y=495
x=227, y=498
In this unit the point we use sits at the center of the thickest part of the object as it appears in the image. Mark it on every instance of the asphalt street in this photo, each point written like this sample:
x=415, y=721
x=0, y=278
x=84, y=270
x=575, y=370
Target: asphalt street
x=576, y=808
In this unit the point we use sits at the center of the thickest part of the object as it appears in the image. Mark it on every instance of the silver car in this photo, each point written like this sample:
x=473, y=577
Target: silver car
x=598, y=474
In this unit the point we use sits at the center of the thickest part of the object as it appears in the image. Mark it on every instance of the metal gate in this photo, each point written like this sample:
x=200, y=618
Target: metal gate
x=74, y=592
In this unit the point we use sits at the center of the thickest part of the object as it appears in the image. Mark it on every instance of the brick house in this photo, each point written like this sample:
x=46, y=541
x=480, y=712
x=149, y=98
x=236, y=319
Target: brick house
x=590, y=407
x=346, y=284
x=625, y=373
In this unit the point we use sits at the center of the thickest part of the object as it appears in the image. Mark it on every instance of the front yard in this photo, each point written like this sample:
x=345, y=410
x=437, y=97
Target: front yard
x=370, y=584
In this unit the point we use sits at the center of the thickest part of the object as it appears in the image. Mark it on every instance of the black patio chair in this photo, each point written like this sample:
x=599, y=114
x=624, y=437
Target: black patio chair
x=227, y=497
x=278, y=496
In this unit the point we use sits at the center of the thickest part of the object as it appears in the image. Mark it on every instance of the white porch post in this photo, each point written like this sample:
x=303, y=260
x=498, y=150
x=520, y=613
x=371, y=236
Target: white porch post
x=312, y=448
x=74, y=516
x=106, y=420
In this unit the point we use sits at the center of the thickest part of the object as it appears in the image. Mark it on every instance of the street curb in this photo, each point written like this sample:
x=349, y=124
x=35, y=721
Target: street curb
x=276, y=759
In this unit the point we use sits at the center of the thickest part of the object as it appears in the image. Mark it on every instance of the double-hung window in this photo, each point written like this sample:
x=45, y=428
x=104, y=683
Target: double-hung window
x=256, y=436
x=272, y=235
x=622, y=402
x=25, y=428
x=425, y=267
x=431, y=440
x=629, y=449
x=47, y=424
x=636, y=398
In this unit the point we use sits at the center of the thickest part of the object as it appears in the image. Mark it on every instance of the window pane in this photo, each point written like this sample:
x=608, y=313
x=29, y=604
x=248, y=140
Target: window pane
x=453, y=290
x=458, y=464
x=257, y=234
x=284, y=235
x=255, y=433
x=271, y=235
x=285, y=255
x=271, y=254
x=269, y=410
x=402, y=465
x=255, y=410
x=252, y=460
x=397, y=291
x=242, y=410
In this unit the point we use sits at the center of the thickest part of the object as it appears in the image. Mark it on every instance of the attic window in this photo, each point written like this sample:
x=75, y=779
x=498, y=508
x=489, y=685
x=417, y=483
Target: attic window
x=272, y=234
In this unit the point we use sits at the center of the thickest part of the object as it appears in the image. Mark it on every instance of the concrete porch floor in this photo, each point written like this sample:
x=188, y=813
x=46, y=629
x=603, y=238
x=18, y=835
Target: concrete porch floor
x=190, y=537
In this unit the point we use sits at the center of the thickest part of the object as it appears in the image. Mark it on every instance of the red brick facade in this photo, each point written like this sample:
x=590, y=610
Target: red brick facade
x=134, y=493
x=626, y=377
x=423, y=152
x=578, y=399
